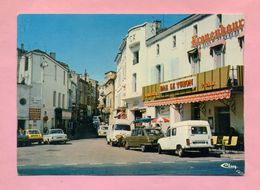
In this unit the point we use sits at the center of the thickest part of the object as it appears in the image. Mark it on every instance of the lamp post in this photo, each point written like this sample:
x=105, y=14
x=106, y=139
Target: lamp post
x=44, y=121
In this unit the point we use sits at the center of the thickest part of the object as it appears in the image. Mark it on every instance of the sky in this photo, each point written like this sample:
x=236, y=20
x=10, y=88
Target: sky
x=85, y=42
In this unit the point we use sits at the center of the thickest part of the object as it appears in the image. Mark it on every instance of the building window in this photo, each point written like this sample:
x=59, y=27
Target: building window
x=59, y=99
x=158, y=73
x=157, y=49
x=218, y=55
x=194, y=60
x=54, y=98
x=219, y=20
x=195, y=30
x=55, y=72
x=26, y=63
x=134, y=82
x=174, y=41
x=241, y=42
x=63, y=100
x=64, y=77
x=136, y=57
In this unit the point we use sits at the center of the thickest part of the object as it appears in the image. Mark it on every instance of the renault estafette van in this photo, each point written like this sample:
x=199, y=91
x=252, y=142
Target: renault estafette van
x=186, y=135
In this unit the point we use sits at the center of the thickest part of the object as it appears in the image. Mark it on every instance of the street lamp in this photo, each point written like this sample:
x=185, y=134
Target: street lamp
x=43, y=65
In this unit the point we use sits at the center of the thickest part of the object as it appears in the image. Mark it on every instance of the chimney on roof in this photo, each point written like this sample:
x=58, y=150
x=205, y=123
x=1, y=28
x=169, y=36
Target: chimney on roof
x=53, y=55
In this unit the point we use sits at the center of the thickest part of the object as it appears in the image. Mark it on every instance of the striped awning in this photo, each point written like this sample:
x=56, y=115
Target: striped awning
x=204, y=97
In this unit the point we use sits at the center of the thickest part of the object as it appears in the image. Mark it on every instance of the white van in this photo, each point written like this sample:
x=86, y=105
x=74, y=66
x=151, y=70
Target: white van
x=117, y=131
x=186, y=135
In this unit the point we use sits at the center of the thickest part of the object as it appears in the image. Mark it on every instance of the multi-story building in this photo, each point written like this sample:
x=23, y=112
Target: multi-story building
x=107, y=96
x=47, y=79
x=132, y=67
x=192, y=70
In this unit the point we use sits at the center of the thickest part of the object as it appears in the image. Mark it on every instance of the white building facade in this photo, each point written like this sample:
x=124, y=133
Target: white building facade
x=49, y=88
x=131, y=66
x=192, y=70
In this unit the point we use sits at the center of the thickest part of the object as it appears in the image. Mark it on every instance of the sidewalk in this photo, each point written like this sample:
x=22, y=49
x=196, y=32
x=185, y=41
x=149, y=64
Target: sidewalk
x=231, y=154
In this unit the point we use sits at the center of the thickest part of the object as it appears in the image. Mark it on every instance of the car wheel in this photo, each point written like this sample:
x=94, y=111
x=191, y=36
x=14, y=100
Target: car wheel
x=159, y=149
x=126, y=146
x=180, y=152
x=143, y=148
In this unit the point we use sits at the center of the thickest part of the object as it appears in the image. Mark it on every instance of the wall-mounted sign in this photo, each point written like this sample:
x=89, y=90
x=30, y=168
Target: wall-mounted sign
x=182, y=84
x=223, y=32
x=34, y=114
x=150, y=94
x=66, y=115
x=208, y=84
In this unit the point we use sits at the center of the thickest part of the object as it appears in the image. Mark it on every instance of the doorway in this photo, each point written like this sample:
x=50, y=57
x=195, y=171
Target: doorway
x=222, y=115
x=195, y=111
x=21, y=124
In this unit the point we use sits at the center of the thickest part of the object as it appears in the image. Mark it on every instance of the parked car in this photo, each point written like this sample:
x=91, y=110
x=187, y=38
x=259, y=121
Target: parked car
x=34, y=135
x=102, y=130
x=186, y=135
x=96, y=121
x=117, y=132
x=143, y=138
x=55, y=135
x=22, y=139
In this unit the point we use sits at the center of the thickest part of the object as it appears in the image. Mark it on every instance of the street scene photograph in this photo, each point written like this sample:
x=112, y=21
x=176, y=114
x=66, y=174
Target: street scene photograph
x=130, y=94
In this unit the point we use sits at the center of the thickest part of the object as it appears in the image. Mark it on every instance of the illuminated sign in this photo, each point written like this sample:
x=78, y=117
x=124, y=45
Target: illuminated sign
x=208, y=84
x=222, y=32
x=176, y=85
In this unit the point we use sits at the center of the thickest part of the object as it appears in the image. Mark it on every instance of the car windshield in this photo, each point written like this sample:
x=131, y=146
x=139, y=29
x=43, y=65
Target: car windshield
x=199, y=130
x=122, y=127
x=153, y=132
x=105, y=128
x=56, y=131
x=33, y=132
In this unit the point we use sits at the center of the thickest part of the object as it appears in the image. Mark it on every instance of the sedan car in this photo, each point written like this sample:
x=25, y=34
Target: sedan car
x=143, y=138
x=55, y=135
x=33, y=135
x=22, y=139
x=102, y=130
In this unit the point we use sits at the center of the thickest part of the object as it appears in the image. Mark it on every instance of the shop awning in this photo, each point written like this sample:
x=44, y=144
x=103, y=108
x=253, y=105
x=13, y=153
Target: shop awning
x=204, y=97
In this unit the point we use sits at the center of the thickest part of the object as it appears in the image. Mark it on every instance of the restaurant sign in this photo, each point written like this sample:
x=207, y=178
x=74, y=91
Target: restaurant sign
x=182, y=84
x=223, y=32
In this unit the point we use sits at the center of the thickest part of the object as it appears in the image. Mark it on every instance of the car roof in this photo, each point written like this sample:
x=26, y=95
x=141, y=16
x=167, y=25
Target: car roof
x=190, y=123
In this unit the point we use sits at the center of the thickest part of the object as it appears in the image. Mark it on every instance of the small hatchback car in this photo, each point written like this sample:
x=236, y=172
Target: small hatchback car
x=143, y=138
x=34, y=135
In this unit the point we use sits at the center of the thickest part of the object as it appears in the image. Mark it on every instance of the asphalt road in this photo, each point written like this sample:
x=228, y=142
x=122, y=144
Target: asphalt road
x=95, y=157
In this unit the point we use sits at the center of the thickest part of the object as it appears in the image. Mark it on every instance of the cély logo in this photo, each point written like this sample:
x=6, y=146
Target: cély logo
x=228, y=166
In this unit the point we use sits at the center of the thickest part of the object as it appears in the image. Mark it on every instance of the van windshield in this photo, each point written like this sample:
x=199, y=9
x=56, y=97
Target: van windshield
x=199, y=130
x=122, y=127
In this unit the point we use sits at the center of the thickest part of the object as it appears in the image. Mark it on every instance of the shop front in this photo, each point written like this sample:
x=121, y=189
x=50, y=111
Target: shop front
x=207, y=96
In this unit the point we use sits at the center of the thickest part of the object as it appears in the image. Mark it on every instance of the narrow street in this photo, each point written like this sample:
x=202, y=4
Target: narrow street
x=95, y=157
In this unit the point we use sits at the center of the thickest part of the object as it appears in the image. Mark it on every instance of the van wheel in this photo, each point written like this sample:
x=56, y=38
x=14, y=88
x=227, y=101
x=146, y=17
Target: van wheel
x=180, y=152
x=159, y=149
x=143, y=148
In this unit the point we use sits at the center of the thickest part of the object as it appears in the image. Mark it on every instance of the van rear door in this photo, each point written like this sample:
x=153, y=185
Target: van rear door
x=200, y=136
